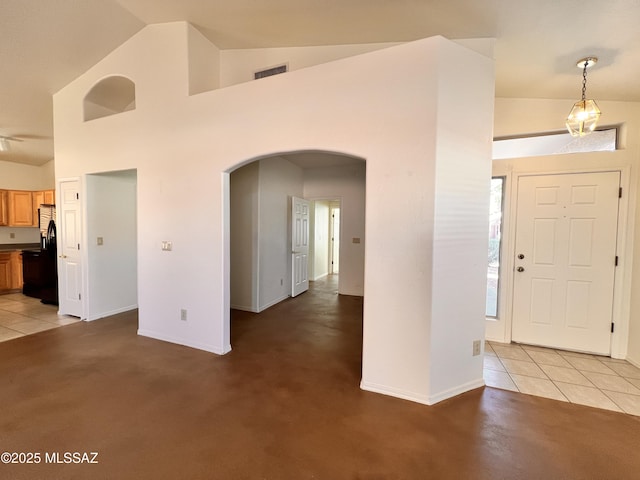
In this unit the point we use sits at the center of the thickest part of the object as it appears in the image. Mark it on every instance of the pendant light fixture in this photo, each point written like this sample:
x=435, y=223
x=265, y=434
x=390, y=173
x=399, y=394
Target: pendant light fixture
x=584, y=115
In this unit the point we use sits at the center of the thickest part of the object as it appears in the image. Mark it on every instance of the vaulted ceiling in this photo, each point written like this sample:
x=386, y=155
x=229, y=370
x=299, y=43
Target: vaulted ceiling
x=45, y=44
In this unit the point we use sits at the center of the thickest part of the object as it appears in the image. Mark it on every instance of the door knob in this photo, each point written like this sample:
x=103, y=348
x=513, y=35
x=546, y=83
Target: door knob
x=520, y=269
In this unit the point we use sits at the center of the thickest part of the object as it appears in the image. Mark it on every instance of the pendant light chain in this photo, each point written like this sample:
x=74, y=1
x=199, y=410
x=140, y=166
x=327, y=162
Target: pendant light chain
x=584, y=80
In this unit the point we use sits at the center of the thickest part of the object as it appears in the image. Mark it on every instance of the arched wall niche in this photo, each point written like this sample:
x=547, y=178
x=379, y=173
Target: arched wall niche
x=111, y=95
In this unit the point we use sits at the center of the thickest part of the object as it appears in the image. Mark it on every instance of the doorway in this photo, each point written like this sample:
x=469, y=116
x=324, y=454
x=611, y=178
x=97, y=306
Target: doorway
x=325, y=239
x=259, y=233
x=565, y=259
x=334, y=256
x=112, y=239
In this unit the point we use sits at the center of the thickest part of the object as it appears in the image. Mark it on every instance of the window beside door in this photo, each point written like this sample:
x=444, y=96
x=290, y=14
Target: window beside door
x=495, y=244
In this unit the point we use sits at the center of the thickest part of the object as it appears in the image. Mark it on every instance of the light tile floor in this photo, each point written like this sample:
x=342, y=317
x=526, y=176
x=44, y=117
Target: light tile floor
x=21, y=315
x=591, y=380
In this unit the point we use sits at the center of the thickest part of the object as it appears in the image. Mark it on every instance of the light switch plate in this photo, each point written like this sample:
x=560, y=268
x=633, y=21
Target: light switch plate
x=166, y=246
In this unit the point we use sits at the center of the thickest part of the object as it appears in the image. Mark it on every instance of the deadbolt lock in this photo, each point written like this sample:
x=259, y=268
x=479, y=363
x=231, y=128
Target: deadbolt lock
x=520, y=256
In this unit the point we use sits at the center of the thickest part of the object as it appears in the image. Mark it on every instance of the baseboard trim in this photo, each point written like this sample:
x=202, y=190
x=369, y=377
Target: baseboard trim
x=271, y=304
x=453, y=392
x=419, y=398
x=495, y=339
x=394, y=392
x=633, y=362
x=243, y=308
x=218, y=350
x=98, y=316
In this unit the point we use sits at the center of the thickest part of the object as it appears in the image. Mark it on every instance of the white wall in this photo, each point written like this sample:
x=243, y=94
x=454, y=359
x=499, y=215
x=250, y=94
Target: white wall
x=460, y=231
x=16, y=176
x=244, y=192
x=383, y=106
x=279, y=180
x=20, y=235
x=321, y=239
x=204, y=62
x=112, y=269
x=260, y=232
x=349, y=184
x=239, y=66
x=525, y=116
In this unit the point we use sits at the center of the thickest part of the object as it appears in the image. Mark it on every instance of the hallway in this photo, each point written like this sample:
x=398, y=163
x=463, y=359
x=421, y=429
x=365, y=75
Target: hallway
x=284, y=404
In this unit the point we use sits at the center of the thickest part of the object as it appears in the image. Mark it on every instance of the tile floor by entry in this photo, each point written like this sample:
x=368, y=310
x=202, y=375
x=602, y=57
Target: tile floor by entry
x=591, y=380
x=21, y=315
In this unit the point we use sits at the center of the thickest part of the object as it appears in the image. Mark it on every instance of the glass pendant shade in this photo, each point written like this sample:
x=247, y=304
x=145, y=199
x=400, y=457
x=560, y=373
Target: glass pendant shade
x=583, y=118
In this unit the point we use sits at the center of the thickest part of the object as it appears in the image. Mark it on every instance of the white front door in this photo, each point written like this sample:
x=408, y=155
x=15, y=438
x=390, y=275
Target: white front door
x=69, y=265
x=566, y=230
x=299, y=245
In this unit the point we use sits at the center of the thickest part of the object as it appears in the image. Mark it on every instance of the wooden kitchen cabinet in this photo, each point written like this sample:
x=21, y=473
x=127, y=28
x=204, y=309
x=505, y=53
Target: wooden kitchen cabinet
x=5, y=272
x=10, y=271
x=16, y=271
x=20, y=208
x=41, y=197
x=49, y=196
x=4, y=218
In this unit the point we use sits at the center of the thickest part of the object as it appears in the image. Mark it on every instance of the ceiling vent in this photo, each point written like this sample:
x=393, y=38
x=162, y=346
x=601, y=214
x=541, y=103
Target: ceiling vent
x=270, y=71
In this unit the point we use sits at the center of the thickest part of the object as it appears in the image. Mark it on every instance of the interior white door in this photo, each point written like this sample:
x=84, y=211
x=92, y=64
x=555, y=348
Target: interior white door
x=69, y=260
x=299, y=245
x=566, y=230
x=335, y=240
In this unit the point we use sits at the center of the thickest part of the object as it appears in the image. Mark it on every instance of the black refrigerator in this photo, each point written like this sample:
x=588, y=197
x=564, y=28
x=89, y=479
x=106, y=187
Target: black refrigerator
x=40, y=267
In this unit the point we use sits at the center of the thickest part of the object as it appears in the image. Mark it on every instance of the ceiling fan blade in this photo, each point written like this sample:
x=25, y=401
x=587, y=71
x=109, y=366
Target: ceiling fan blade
x=22, y=138
x=10, y=138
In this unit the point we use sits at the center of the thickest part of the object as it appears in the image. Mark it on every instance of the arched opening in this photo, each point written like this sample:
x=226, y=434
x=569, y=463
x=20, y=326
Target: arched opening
x=259, y=252
x=111, y=95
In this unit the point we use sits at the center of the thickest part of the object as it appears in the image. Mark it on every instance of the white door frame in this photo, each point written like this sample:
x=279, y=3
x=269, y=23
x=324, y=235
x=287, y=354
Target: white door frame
x=83, y=250
x=622, y=282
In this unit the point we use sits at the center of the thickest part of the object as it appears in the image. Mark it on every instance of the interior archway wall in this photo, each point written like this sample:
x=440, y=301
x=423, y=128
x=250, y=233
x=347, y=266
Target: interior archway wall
x=404, y=109
x=260, y=222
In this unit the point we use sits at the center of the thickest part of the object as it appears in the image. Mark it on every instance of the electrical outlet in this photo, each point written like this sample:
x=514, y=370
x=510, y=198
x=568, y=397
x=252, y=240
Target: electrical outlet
x=167, y=246
x=12, y=235
x=100, y=241
x=281, y=281
x=476, y=347
x=183, y=314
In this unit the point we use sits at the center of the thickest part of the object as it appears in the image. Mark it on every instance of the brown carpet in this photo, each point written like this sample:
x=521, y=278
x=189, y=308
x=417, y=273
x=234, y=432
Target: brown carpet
x=284, y=404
